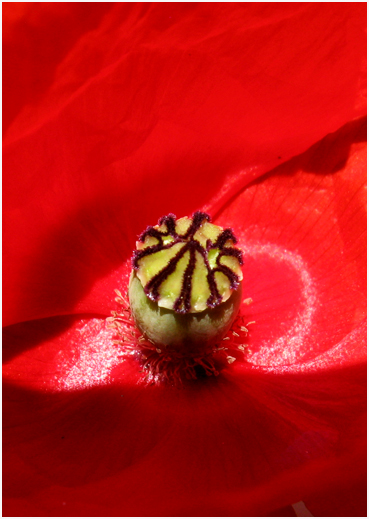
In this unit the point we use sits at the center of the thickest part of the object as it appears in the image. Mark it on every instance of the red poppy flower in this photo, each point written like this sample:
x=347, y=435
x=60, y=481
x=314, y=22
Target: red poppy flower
x=114, y=115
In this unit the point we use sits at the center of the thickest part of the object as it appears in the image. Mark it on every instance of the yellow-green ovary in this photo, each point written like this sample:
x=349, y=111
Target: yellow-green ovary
x=171, y=287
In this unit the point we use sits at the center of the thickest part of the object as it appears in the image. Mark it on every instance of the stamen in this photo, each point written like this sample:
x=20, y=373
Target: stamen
x=168, y=365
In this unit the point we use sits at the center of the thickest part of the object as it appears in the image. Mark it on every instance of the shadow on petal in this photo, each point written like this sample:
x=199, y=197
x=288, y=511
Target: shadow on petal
x=234, y=434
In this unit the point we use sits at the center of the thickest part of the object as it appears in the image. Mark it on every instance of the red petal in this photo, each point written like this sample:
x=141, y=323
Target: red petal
x=302, y=229
x=348, y=499
x=151, y=111
x=101, y=443
x=274, y=430
x=155, y=106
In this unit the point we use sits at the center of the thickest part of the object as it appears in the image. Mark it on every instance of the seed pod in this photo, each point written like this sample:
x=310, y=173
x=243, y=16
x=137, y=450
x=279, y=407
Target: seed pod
x=185, y=288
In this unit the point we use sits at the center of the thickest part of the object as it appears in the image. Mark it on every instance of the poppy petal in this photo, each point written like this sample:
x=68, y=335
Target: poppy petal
x=257, y=84
x=282, y=420
x=105, y=443
x=145, y=109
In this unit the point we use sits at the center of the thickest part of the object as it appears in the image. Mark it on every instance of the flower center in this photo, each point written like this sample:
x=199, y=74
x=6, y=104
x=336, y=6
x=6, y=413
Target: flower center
x=184, y=294
x=188, y=265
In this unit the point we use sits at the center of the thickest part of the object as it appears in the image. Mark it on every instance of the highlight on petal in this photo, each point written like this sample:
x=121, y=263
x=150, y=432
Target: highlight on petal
x=305, y=269
x=82, y=356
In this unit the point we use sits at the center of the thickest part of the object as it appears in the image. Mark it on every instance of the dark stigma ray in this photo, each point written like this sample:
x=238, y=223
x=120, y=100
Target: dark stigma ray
x=228, y=251
x=151, y=288
x=198, y=219
x=139, y=254
x=183, y=303
x=214, y=298
x=233, y=278
x=151, y=231
x=170, y=222
x=184, y=299
x=224, y=236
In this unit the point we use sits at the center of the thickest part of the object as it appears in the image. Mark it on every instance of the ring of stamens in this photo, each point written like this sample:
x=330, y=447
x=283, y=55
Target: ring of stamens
x=170, y=365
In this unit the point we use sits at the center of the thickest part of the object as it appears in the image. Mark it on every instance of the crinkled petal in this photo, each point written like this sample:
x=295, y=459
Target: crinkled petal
x=149, y=108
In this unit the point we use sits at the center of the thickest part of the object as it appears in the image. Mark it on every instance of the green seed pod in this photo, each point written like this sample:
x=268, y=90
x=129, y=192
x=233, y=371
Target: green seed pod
x=188, y=333
x=185, y=290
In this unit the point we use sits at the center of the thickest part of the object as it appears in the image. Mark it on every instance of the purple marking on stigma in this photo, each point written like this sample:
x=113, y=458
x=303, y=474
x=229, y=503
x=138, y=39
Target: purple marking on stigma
x=233, y=278
x=215, y=298
x=138, y=254
x=229, y=251
x=226, y=234
x=170, y=222
x=197, y=220
x=183, y=303
x=151, y=231
x=152, y=287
